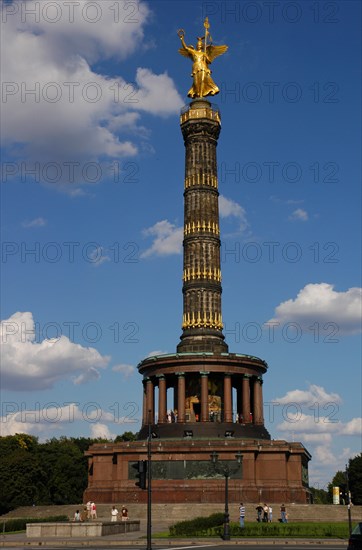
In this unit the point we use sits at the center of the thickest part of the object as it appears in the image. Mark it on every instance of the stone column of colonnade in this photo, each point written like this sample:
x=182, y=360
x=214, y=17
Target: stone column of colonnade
x=181, y=397
x=228, y=403
x=258, y=401
x=162, y=400
x=249, y=397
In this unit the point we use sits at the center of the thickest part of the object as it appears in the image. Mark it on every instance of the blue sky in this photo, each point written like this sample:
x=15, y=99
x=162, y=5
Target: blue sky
x=92, y=210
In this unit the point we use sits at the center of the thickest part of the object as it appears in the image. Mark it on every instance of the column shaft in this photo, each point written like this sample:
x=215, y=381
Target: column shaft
x=204, y=398
x=202, y=319
x=246, y=400
x=228, y=408
x=181, y=398
x=239, y=403
x=162, y=400
x=258, y=402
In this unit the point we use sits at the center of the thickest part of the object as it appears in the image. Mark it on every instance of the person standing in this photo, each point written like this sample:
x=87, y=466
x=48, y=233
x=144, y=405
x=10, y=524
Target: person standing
x=266, y=512
x=283, y=514
x=114, y=514
x=242, y=514
x=124, y=513
x=93, y=511
x=270, y=514
x=259, y=511
x=89, y=506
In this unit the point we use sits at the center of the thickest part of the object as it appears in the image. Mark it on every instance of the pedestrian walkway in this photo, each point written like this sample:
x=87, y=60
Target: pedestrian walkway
x=138, y=540
x=164, y=515
x=117, y=541
x=172, y=513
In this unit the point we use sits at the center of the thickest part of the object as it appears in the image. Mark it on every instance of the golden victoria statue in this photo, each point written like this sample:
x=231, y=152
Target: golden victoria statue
x=202, y=57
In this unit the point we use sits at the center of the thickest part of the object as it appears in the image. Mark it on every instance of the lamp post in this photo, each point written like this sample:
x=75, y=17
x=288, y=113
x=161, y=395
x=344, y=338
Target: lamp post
x=149, y=487
x=348, y=501
x=226, y=471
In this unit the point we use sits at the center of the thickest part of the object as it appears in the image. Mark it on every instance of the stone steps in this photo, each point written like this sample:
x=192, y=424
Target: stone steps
x=167, y=514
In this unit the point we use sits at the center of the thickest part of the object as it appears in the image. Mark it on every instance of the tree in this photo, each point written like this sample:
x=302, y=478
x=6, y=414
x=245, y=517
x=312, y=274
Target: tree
x=67, y=470
x=320, y=496
x=126, y=436
x=23, y=480
x=355, y=479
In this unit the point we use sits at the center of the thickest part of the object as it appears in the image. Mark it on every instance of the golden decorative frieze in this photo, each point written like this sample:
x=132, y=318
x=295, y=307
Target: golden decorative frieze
x=201, y=179
x=210, y=274
x=204, y=112
x=202, y=320
x=201, y=226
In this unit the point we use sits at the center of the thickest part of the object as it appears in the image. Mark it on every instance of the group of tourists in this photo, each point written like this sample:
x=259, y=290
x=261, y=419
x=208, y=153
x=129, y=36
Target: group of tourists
x=90, y=513
x=115, y=515
x=264, y=514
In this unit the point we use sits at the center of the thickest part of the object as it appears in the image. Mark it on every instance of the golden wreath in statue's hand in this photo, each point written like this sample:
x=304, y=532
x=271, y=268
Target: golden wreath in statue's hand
x=181, y=33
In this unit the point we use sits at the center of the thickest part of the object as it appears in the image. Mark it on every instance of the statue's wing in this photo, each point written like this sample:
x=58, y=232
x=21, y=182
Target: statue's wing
x=185, y=53
x=215, y=51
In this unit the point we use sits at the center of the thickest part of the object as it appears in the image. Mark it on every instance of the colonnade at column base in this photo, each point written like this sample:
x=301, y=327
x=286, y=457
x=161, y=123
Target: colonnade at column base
x=214, y=392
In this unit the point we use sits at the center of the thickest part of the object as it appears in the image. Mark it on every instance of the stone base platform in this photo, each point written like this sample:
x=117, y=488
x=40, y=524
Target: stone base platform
x=77, y=529
x=183, y=472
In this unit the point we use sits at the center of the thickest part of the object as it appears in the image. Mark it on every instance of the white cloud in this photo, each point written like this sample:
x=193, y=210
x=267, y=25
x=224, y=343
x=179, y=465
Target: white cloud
x=317, y=438
x=229, y=208
x=89, y=375
x=320, y=433
x=45, y=419
x=123, y=368
x=101, y=431
x=298, y=422
x=29, y=365
x=98, y=30
x=41, y=419
x=353, y=427
x=299, y=215
x=156, y=93
x=314, y=394
x=21, y=423
x=77, y=114
x=324, y=455
x=313, y=427
x=98, y=256
x=168, y=239
x=339, y=312
x=321, y=423
x=37, y=222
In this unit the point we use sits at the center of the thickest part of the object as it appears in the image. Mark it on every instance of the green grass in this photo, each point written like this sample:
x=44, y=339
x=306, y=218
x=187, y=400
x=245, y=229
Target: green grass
x=303, y=529
x=256, y=530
